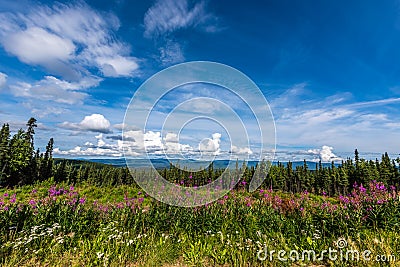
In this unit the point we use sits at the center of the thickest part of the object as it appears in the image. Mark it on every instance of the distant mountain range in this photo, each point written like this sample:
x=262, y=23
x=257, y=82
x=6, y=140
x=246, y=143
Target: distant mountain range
x=189, y=164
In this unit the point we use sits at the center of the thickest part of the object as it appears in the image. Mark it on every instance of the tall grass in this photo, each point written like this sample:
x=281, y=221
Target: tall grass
x=82, y=225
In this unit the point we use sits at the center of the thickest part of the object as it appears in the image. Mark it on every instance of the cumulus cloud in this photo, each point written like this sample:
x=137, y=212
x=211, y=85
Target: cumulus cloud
x=136, y=143
x=64, y=37
x=241, y=150
x=325, y=154
x=93, y=123
x=3, y=80
x=211, y=146
x=172, y=145
x=52, y=89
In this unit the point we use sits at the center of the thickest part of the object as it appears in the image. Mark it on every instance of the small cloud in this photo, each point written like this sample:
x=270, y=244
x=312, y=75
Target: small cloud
x=3, y=80
x=53, y=89
x=117, y=66
x=167, y=16
x=171, y=53
x=211, y=146
x=241, y=150
x=93, y=123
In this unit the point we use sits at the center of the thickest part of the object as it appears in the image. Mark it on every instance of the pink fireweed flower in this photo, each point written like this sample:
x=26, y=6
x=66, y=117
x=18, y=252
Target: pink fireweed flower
x=32, y=203
x=82, y=200
x=34, y=191
x=344, y=199
x=5, y=195
x=5, y=208
x=71, y=188
x=13, y=198
x=362, y=189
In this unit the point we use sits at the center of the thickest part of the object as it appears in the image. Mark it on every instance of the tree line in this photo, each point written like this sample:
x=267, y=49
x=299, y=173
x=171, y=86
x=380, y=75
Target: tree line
x=21, y=164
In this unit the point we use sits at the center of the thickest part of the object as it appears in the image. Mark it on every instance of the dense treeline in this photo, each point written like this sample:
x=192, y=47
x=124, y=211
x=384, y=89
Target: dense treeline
x=331, y=180
x=334, y=179
x=21, y=164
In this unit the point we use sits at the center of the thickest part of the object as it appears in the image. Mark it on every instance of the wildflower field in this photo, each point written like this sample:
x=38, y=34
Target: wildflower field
x=84, y=225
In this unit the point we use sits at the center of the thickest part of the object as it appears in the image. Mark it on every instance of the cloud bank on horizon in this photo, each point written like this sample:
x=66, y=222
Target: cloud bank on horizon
x=332, y=85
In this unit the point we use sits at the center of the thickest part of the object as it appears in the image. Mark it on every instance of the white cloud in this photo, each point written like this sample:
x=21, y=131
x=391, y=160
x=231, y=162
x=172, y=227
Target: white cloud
x=3, y=80
x=41, y=111
x=166, y=16
x=325, y=154
x=93, y=123
x=302, y=119
x=117, y=66
x=211, y=146
x=64, y=38
x=171, y=53
x=53, y=89
x=37, y=46
x=135, y=144
x=171, y=144
x=376, y=102
x=241, y=150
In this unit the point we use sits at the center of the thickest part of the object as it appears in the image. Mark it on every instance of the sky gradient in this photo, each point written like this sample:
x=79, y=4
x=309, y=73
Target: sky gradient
x=329, y=70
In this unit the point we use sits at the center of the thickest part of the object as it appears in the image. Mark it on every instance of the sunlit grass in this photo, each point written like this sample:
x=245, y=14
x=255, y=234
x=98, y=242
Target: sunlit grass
x=84, y=225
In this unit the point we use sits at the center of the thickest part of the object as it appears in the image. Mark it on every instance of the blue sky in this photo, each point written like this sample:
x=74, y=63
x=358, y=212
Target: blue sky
x=329, y=70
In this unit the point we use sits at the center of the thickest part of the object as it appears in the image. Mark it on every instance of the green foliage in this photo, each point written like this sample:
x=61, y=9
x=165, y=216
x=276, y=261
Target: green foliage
x=19, y=163
x=49, y=224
